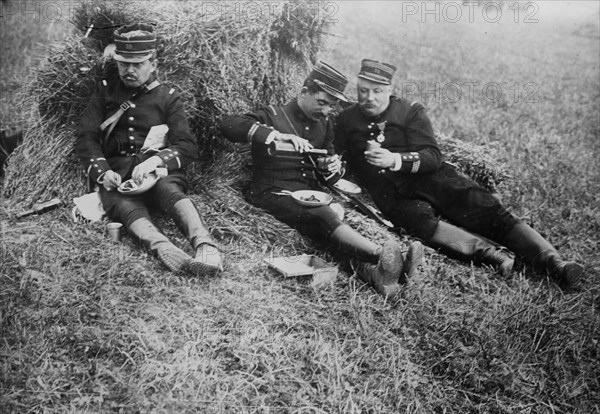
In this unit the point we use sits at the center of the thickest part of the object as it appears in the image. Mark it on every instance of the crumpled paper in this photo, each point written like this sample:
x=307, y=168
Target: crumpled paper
x=88, y=207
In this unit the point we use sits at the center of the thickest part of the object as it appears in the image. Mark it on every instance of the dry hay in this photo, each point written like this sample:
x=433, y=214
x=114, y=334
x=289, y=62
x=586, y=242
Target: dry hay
x=476, y=161
x=220, y=65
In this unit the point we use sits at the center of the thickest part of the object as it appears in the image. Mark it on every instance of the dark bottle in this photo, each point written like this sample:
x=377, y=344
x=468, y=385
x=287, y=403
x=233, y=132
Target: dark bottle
x=286, y=149
x=39, y=208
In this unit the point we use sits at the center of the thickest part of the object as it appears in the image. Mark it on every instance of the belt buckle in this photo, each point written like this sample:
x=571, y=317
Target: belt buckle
x=124, y=106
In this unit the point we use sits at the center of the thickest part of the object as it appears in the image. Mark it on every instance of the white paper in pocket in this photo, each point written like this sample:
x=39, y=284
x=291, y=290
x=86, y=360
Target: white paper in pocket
x=156, y=138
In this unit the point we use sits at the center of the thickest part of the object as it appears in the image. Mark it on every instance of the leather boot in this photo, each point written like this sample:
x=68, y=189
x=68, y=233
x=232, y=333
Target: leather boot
x=385, y=275
x=149, y=235
x=468, y=247
x=414, y=257
x=532, y=247
x=378, y=266
x=207, y=258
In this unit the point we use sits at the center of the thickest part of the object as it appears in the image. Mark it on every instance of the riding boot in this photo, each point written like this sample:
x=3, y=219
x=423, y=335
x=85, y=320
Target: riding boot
x=207, y=258
x=378, y=266
x=149, y=235
x=460, y=244
x=532, y=247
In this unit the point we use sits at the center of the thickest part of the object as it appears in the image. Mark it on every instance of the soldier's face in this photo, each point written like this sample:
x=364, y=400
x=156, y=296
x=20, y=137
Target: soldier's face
x=316, y=105
x=373, y=97
x=136, y=74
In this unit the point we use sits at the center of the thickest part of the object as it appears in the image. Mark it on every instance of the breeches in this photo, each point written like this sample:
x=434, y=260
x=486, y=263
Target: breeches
x=128, y=208
x=419, y=201
x=311, y=221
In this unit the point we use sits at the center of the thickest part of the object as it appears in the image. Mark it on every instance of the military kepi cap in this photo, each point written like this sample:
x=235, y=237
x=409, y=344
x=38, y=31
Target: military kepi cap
x=377, y=71
x=329, y=80
x=134, y=43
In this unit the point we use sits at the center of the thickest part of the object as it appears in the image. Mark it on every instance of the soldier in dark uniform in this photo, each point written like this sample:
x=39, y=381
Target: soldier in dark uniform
x=304, y=122
x=111, y=144
x=413, y=187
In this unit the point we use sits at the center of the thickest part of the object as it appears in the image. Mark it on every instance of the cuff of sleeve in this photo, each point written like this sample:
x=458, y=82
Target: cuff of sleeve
x=397, y=162
x=96, y=168
x=171, y=158
x=271, y=137
x=259, y=133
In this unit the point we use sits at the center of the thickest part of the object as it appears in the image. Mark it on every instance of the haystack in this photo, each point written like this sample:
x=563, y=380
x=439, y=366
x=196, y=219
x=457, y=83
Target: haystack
x=221, y=60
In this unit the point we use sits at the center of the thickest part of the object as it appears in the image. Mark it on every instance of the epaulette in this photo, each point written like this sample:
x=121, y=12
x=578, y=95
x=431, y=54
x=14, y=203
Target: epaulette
x=272, y=108
x=416, y=105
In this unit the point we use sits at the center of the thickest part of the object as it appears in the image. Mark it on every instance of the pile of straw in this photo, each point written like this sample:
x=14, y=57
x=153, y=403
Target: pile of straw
x=221, y=62
x=476, y=161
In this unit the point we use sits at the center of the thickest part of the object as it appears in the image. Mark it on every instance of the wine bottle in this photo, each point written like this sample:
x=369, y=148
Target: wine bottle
x=39, y=208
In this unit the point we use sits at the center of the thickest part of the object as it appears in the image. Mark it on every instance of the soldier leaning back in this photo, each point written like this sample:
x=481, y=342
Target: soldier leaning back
x=413, y=187
x=110, y=144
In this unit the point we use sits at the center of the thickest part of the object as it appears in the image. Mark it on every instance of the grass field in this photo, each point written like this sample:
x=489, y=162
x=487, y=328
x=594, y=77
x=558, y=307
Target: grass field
x=90, y=326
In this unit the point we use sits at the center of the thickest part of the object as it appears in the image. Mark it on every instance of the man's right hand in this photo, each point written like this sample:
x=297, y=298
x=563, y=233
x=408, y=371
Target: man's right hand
x=300, y=144
x=111, y=180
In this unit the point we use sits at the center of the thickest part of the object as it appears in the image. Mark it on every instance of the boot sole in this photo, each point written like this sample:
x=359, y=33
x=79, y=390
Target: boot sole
x=572, y=275
x=174, y=258
x=390, y=265
x=199, y=268
x=414, y=258
x=391, y=260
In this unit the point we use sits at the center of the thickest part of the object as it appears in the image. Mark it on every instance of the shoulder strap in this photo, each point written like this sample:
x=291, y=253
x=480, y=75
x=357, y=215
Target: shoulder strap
x=125, y=105
x=289, y=121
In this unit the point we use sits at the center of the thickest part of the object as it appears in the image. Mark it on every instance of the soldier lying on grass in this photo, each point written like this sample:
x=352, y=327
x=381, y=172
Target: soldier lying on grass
x=405, y=176
x=304, y=123
x=113, y=147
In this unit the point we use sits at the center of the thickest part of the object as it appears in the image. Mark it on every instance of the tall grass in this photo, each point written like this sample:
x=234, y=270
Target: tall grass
x=88, y=326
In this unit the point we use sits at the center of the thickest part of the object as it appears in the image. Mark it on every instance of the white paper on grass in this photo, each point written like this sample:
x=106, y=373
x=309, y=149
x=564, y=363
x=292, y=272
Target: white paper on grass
x=89, y=207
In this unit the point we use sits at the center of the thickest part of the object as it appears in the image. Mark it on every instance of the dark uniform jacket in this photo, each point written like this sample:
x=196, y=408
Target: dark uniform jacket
x=273, y=173
x=121, y=151
x=406, y=130
x=423, y=188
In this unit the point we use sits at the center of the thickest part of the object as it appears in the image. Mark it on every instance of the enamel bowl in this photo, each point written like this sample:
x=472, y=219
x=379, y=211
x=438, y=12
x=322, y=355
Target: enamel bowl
x=310, y=198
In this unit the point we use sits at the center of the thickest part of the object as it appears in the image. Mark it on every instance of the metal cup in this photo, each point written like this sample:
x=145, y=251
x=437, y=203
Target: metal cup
x=371, y=145
x=322, y=164
x=114, y=231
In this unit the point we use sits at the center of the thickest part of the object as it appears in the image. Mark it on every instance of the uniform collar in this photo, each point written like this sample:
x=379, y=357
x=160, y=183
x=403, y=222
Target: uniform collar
x=140, y=88
x=382, y=115
x=295, y=110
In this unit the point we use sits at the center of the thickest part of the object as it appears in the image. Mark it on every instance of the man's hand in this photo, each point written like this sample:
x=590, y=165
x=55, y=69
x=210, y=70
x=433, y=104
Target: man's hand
x=141, y=171
x=334, y=164
x=111, y=180
x=300, y=144
x=381, y=158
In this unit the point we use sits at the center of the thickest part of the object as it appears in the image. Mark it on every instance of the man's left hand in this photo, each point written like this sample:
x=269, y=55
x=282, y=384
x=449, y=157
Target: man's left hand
x=334, y=164
x=381, y=158
x=141, y=171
